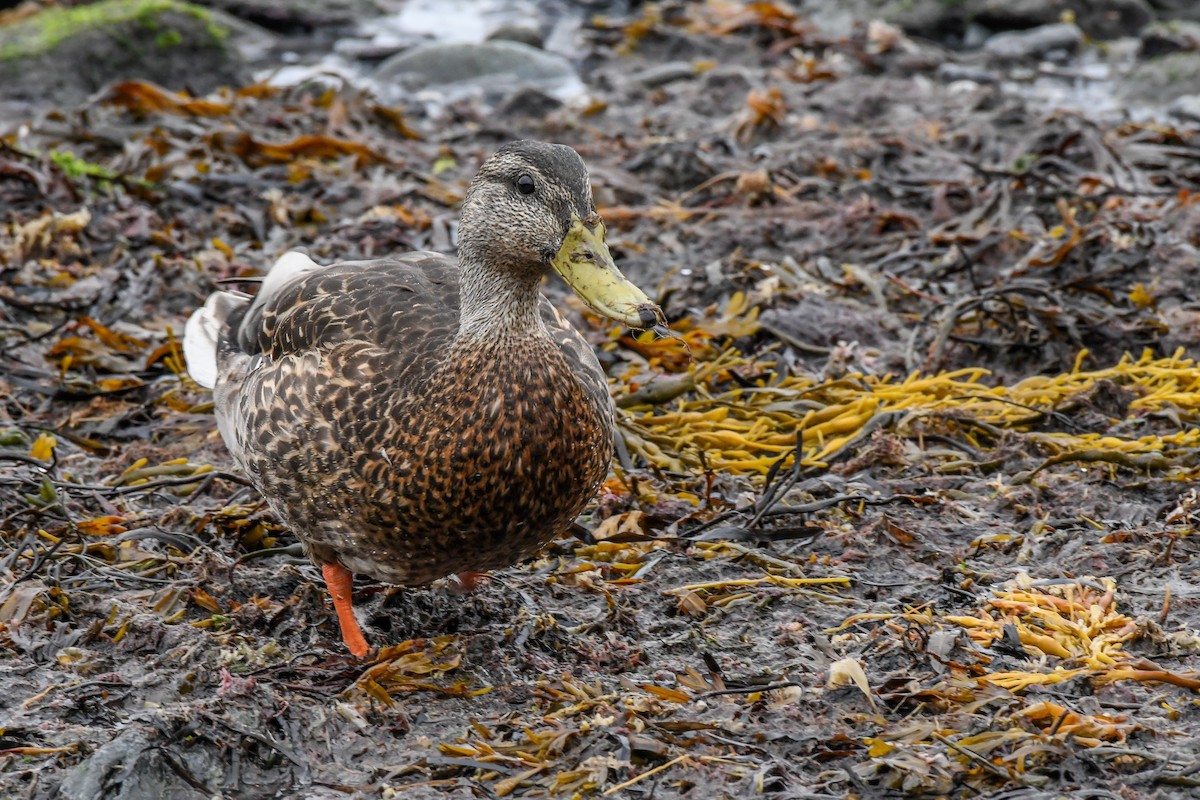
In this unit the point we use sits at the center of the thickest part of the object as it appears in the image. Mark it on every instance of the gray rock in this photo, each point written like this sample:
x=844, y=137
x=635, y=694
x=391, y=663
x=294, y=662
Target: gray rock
x=529, y=103
x=130, y=767
x=1008, y=15
x=1176, y=9
x=525, y=34
x=1112, y=19
x=1186, y=107
x=375, y=52
x=1160, y=80
x=495, y=67
x=975, y=35
x=951, y=21
x=62, y=55
x=1161, y=38
x=938, y=20
x=298, y=16
x=950, y=72
x=1034, y=43
x=662, y=74
x=1099, y=19
x=931, y=19
x=723, y=91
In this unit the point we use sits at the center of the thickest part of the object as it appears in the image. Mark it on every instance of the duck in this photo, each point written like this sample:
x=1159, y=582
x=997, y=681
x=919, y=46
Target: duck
x=420, y=416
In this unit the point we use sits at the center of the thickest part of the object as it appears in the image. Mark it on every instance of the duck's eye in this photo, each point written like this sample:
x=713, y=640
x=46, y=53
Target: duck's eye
x=525, y=184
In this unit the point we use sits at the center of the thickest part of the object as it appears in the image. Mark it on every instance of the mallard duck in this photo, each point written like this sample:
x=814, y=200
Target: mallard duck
x=419, y=416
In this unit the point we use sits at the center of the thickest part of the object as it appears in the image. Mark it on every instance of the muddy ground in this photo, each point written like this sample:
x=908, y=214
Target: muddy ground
x=978, y=584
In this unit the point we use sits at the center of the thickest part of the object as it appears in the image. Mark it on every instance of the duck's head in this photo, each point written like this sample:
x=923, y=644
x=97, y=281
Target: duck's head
x=530, y=209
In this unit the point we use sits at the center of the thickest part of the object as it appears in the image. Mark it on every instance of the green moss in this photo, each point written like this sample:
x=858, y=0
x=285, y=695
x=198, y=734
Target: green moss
x=168, y=38
x=49, y=28
x=76, y=168
x=1024, y=162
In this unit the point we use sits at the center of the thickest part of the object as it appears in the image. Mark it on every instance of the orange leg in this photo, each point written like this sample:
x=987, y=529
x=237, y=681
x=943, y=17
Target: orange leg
x=340, y=582
x=468, y=582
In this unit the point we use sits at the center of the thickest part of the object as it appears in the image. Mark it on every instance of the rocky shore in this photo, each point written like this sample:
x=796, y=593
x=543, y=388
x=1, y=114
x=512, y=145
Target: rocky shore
x=906, y=507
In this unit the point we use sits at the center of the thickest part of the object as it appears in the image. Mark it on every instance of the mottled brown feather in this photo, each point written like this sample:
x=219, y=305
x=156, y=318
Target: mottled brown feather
x=392, y=447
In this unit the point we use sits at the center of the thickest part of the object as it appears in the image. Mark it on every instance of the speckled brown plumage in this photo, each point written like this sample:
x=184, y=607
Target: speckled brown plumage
x=417, y=416
x=396, y=451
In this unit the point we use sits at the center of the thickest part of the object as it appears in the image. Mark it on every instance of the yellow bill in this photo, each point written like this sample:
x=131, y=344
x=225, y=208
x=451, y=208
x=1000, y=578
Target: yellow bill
x=586, y=265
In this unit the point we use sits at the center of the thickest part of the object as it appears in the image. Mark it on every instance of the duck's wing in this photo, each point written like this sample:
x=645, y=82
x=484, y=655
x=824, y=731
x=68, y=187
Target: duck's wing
x=579, y=355
x=399, y=302
x=315, y=340
x=408, y=305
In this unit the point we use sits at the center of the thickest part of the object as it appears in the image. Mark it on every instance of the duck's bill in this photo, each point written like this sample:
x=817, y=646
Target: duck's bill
x=586, y=265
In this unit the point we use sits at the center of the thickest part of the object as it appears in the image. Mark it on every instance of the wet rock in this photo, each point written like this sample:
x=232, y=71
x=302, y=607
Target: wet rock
x=529, y=103
x=728, y=80
x=1010, y=15
x=130, y=767
x=931, y=19
x=1186, y=107
x=1099, y=19
x=674, y=166
x=298, y=16
x=66, y=54
x=1161, y=38
x=662, y=74
x=494, y=67
x=1176, y=9
x=375, y=51
x=951, y=72
x=1160, y=80
x=723, y=90
x=1034, y=43
x=953, y=22
x=1112, y=19
x=525, y=34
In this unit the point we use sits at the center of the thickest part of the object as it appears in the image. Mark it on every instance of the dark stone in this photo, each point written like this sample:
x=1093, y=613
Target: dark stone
x=525, y=34
x=662, y=74
x=1162, y=38
x=931, y=19
x=133, y=766
x=298, y=16
x=529, y=103
x=950, y=72
x=63, y=55
x=1112, y=19
x=1176, y=9
x=1099, y=19
x=1160, y=80
x=1010, y=15
x=1186, y=107
x=1034, y=43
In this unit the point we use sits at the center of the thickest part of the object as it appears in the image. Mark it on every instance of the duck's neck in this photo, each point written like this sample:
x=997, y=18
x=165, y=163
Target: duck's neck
x=497, y=302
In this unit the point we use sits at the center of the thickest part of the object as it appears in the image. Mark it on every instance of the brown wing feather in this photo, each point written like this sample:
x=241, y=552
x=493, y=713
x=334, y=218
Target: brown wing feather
x=578, y=352
x=390, y=448
x=407, y=305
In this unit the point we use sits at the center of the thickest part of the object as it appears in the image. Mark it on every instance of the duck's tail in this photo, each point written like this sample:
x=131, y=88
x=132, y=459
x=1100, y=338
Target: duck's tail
x=209, y=323
x=203, y=332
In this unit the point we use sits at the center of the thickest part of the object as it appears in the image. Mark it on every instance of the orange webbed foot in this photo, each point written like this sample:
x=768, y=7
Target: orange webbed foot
x=468, y=582
x=340, y=582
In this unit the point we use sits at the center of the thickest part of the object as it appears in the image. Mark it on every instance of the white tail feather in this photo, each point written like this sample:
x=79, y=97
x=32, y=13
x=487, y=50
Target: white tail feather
x=204, y=326
x=203, y=331
x=287, y=266
x=200, y=344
